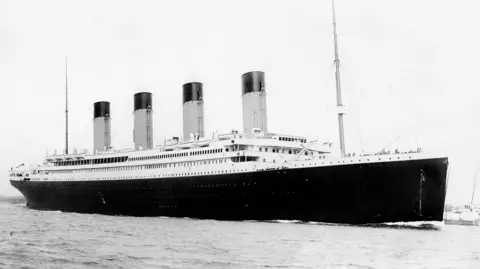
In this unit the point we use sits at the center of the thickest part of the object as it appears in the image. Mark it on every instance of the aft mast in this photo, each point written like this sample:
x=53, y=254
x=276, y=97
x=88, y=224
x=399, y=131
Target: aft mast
x=66, y=107
x=339, y=91
x=474, y=185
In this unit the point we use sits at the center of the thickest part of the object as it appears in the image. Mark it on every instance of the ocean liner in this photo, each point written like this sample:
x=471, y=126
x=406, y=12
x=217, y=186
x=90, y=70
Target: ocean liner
x=251, y=174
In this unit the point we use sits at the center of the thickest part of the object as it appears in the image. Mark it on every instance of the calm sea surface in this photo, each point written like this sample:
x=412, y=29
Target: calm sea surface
x=42, y=239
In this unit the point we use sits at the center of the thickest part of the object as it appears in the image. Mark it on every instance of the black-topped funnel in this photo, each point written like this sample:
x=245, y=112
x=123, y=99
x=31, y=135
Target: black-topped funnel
x=253, y=82
x=101, y=109
x=142, y=100
x=101, y=126
x=193, y=111
x=254, y=102
x=142, y=120
x=192, y=91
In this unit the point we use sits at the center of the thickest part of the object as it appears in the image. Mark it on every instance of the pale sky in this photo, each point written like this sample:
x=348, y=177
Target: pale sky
x=409, y=68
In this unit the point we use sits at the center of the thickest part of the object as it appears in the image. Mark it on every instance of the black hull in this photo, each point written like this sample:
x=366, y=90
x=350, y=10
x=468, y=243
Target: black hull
x=355, y=194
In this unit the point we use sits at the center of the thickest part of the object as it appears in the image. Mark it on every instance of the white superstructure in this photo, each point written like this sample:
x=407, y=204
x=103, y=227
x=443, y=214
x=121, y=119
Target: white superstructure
x=225, y=154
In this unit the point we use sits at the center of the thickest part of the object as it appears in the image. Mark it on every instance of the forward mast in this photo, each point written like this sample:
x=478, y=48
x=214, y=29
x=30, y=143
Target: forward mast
x=340, y=106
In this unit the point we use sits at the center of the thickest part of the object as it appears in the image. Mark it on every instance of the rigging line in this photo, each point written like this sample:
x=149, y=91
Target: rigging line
x=328, y=79
x=414, y=138
x=390, y=143
x=413, y=135
x=474, y=184
x=358, y=123
x=361, y=143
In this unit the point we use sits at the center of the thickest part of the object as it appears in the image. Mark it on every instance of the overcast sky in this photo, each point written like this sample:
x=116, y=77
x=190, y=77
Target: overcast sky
x=410, y=69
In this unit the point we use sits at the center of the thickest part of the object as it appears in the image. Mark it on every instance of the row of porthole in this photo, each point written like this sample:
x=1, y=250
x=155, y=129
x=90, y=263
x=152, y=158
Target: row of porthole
x=207, y=173
x=143, y=167
x=176, y=155
x=353, y=161
x=358, y=160
x=193, y=174
x=375, y=165
x=339, y=161
x=283, y=193
x=198, y=186
x=174, y=175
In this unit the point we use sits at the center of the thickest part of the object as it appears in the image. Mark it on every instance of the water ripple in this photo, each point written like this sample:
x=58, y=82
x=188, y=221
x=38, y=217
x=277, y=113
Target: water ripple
x=51, y=239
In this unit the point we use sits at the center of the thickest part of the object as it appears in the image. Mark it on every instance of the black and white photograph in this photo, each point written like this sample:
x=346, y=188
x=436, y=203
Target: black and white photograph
x=296, y=134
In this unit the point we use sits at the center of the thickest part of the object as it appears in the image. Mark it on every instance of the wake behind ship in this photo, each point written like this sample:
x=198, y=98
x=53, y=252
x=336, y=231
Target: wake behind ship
x=252, y=174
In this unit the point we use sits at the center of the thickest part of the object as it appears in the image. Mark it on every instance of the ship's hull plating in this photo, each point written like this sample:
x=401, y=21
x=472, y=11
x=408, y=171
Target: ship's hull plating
x=358, y=193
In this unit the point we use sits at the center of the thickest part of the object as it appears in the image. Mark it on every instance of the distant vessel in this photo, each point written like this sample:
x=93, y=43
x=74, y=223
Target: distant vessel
x=467, y=215
x=250, y=175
